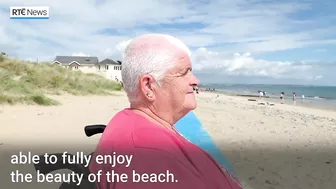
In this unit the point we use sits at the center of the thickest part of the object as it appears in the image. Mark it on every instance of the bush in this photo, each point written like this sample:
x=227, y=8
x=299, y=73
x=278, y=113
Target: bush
x=24, y=82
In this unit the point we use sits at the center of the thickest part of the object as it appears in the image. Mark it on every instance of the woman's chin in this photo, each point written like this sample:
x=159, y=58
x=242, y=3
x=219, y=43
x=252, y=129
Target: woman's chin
x=191, y=104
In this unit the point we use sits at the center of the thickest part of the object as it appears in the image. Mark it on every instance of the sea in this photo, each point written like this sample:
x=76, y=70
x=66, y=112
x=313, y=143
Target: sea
x=319, y=95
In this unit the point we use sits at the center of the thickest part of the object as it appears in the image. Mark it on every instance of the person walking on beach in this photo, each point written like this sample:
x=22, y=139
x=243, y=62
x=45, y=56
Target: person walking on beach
x=261, y=94
x=196, y=89
x=282, y=96
x=294, y=98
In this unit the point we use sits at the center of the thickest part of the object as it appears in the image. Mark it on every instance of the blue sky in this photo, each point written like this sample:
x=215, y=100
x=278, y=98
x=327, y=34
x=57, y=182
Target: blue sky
x=236, y=41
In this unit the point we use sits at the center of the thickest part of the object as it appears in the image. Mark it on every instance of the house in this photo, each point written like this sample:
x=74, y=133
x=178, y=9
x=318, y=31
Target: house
x=111, y=68
x=108, y=68
x=85, y=64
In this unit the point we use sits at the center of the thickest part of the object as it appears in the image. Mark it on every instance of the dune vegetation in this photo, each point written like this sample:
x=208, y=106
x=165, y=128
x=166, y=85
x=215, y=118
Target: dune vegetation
x=24, y=82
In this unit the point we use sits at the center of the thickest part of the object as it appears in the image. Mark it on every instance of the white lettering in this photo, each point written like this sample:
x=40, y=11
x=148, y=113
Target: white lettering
x=162, y=177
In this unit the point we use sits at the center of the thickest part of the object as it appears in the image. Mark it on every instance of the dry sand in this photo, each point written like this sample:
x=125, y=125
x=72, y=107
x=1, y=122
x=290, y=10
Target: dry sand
x=270, y=147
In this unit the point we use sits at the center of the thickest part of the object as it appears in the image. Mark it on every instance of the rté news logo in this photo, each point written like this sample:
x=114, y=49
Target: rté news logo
x=29, y=12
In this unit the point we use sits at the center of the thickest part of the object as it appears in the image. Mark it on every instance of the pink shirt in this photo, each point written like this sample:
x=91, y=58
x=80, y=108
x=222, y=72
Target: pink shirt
x=156, y=150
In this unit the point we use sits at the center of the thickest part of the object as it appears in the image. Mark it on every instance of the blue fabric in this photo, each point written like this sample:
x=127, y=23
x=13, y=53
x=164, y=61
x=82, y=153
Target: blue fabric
x=191, y=128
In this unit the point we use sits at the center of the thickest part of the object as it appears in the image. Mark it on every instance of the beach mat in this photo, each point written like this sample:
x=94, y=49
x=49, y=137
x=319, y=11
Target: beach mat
x=191, y=128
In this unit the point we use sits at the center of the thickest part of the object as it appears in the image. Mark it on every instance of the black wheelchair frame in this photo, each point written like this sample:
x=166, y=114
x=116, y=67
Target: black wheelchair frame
x=44, y=168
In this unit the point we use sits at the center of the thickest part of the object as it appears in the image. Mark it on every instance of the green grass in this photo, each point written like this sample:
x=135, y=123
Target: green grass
x=31, y=83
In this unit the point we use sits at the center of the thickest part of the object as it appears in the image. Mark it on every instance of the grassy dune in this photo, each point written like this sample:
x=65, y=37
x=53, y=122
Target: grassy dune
x=31, y=83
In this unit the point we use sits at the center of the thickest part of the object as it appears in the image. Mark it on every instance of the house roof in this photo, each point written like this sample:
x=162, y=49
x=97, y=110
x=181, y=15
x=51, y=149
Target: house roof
x=80, y=59
x=110, y=62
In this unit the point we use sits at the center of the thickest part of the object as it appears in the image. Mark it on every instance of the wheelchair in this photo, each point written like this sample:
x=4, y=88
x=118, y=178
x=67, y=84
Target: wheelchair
x=44, y=168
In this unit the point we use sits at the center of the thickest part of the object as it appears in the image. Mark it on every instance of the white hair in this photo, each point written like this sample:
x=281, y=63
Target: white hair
x=147, y=54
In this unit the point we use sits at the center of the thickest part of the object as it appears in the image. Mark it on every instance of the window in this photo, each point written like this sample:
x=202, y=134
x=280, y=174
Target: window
x=76, y=67
x=117, y=67
x=106, y=67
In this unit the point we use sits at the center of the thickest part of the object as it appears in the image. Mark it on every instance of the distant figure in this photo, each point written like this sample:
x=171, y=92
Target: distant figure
x=294, y=98
x=197, y=90
x=282, y=96
x=302, y=98
x=261, y=94
x=264, y=93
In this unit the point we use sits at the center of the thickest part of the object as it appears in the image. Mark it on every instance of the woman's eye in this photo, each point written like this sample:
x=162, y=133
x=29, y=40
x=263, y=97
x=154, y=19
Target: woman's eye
x=185, y=72
x=188, y=70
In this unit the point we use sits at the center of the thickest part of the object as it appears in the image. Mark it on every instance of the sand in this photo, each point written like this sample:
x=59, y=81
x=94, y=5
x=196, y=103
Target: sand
x=270, y=147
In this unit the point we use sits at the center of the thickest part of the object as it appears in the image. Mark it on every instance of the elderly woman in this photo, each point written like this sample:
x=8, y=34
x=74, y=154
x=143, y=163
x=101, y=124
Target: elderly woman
x=140, y=145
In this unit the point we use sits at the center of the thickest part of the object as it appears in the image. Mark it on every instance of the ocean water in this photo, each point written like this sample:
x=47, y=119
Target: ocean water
x=322, y=95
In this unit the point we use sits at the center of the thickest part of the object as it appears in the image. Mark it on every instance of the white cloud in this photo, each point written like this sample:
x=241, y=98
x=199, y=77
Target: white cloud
x=122, y=45
x=103, y=28
x=246, y=65
x=205, y=61
x=80, y=54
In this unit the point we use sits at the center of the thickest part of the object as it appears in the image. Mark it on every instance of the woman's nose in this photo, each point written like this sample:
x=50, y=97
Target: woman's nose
x=195, y=81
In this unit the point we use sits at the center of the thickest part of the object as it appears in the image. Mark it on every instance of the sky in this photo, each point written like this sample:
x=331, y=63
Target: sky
x=232, y=41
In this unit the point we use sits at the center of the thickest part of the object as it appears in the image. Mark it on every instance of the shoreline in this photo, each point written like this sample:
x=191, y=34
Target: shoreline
x=305, y=103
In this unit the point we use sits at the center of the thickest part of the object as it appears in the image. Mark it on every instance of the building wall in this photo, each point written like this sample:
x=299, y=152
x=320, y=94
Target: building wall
x=109, y=71
x=87, y=69
x=114, y=72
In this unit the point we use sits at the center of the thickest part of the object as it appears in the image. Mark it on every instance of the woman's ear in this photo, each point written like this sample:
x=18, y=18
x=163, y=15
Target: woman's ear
x=147, y=85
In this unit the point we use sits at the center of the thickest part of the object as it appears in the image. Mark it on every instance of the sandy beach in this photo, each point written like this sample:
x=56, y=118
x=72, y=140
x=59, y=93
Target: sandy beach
x=270, y=147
